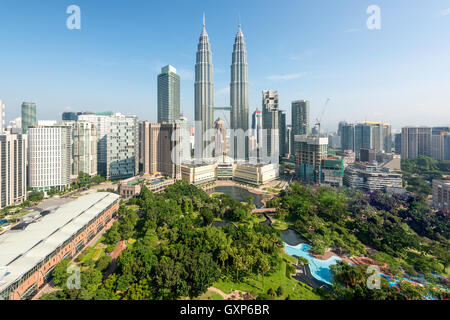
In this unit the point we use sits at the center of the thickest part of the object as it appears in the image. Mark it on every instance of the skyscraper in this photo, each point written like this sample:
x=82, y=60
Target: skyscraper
x=398, y=143
x=28, y=115
x=311, y=151
x=13, y=177
x=416, y=141
x=2, y=117
x=300, y=120
x=348, y=137
x=84, y=147
x=257, y=127
x=438, y=135
x=204, y=97
x=117, y=144
x=271, y=123
x=282, y=132
x=239, y=97
x=220, y=137
x=159, y=148
x=168, y=95
x=373, y=135
x=50, y=153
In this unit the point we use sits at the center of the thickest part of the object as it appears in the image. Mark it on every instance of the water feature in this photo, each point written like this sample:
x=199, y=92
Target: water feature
x=320, y=269
x=220, y=224
x=239, y=194
x=295, y=244
x=292, y=237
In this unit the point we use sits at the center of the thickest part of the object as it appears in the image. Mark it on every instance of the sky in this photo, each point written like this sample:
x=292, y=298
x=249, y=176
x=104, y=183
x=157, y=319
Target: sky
x=305, y=49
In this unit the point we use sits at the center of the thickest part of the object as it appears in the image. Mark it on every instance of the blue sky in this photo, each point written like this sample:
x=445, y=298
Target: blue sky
x=305, y=49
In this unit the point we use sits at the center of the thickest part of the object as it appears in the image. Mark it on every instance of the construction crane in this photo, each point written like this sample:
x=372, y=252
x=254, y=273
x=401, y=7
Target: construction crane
x=319, y=120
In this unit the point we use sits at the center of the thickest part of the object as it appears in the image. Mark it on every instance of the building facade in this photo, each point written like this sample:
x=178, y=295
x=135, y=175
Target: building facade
x=441, y=194
x=160, y=149
x=117, y=144
x=30, y=256
x=239, y=99
x=271, y=122
x=439, y=136
x=13, y=162
x=28, y=115
x=348, y=137
x=168, y=95
x=84, y=148
x=282, y=132
x=398, y=143
x=49, y=157
x=332, y=171
x=416, y=141
x=371, y=177
x=311, y=151
x=256, y=174
x=300, y=120
x=2, y=117
x=204, y=97
x=220, y=138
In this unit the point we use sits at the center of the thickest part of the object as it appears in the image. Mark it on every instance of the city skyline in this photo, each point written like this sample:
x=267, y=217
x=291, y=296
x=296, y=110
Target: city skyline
x=364, y=83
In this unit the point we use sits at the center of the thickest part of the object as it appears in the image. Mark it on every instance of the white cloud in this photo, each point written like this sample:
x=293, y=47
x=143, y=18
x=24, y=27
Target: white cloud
x=445, y=12
x=283, y=77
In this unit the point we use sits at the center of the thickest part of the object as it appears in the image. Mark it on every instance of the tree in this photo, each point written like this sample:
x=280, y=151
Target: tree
x=412, y=292
x=280, y=291
x=103, y=263
x=60, y=274
x=302, y=261
x=263, y=266
x=207, y=216
x=112, y=236
x=35, y=196
x=128, y=220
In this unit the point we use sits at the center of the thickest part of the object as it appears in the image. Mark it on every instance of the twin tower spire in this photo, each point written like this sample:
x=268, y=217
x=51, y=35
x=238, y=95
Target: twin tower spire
x=204, y=97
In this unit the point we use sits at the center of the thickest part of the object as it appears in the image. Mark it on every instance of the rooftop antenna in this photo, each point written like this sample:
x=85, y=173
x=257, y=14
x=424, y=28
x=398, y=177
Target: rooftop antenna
x=239, y=19
x=204, y=20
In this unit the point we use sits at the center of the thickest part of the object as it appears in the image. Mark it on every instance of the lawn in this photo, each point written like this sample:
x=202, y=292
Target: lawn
x=280, y=225
x=292, y=287
x=209, y=295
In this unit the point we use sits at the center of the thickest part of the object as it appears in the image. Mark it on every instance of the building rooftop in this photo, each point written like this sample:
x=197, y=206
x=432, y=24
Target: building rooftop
x=22, y=250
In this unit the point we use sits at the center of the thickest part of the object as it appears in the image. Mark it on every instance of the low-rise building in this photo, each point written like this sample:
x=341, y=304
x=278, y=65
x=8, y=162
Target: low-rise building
x=29, y=256
x=348, y=157
x=225, y=171
x=441, y=194
x=256, y=174
x=132, y=187
x=198, y=174
x=333, y=172
x=371, y=177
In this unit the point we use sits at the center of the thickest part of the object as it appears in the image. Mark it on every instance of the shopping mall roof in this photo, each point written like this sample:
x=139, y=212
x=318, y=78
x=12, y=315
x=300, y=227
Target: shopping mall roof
x=21, y=251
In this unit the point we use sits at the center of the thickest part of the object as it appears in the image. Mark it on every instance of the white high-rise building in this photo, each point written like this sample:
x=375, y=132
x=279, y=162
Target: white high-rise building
x=2, y=117
x=84, y=148
x=13, y=165
x=49, y=157
x=118, y=144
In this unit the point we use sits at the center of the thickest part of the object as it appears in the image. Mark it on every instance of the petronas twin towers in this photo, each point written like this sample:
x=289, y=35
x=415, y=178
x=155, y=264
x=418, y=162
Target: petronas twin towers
x=204, y=98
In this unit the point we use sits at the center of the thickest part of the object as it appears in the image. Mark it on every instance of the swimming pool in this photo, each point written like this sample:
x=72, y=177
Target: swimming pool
x=320, y=269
